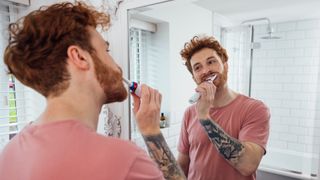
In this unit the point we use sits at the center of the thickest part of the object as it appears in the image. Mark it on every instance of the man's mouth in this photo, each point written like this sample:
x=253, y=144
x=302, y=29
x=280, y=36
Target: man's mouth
x=209, y=78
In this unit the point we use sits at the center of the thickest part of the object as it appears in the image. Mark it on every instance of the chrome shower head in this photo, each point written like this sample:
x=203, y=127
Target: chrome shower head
x=270, y=36
x=269, y=28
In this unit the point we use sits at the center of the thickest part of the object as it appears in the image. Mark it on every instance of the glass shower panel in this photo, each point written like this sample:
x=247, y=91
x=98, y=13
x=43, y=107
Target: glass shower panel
x=236, y=40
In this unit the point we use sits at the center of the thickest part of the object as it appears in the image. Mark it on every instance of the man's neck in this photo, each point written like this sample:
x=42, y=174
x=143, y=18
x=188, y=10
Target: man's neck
x=224, y=96
x=72, y=106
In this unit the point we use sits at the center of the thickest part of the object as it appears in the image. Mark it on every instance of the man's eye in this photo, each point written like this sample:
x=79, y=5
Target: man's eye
x=211, y=61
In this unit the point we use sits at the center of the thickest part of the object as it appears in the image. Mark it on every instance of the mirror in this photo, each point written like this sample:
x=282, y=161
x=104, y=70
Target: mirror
x=274, y=55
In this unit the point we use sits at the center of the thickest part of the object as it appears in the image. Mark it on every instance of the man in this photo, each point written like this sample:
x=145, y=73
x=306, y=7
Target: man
x=224, y=135
x=57, y=51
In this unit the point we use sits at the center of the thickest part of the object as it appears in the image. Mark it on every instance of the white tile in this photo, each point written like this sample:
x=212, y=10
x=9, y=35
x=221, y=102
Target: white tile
x=302, y=113
x=284, y=44
x=295, y=35
x=274, y=70
x=312, y=33
x=290, y=120
x=291, y=103
x=289, y=26
x=313, y=149
x=309, y=88
x=273, y=136
x=288, y=137
x=312, y=52
x=281, y=112
x=283, y=61
x=284, y=78
x=306, y=139
x=300, y=131
x=305, y=61
x=259, y=53
x=274, y=102
x=174, y=130
x=293, y=70
x=297, y=147
x=280, y=129
x=165, y=132
x=268, y=45
x=278, y=144
x=294, y=52
x=302, y=78
x=309, y=24
x=275, y=53
x=309, y=104
x=306, y=43
x=172, y=141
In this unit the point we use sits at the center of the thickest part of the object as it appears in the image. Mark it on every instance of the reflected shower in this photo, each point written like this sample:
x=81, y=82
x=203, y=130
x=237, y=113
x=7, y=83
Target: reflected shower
x=256, y=45
x=269, y=28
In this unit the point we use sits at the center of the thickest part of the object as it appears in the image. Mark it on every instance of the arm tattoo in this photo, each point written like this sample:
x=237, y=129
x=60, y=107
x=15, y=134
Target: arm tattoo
x=161, y=154
x=230, y=148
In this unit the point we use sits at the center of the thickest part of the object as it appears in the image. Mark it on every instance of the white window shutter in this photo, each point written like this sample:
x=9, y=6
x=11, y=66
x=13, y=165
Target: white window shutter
x=12, y=101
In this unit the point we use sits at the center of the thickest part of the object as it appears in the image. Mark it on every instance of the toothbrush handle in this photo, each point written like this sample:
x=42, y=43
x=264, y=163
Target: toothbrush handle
x=194, y=98
x=135, y=88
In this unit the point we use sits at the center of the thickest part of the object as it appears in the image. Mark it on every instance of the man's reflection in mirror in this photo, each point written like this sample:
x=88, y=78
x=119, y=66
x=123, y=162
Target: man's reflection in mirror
x=224, y=134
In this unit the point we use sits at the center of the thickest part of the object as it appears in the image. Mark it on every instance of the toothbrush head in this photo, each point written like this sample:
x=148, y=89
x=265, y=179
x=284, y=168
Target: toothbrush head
x=211, y=78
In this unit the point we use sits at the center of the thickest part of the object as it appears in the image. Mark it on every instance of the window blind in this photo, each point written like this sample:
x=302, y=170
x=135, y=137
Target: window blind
x=140, y=47
x=12, y=101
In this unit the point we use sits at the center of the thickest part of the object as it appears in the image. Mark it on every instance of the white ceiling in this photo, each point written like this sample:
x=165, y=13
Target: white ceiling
x=276, y=10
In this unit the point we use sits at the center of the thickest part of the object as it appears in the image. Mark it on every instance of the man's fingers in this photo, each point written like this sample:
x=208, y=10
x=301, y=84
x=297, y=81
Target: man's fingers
x=145, y=95
x=136, y=103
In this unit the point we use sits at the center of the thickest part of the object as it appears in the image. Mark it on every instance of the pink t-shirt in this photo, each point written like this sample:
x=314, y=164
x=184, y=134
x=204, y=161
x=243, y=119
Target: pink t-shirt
x=68, y=150
x=244, y=118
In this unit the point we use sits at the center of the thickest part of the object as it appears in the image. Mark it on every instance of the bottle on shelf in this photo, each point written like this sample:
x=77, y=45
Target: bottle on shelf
x=163, y=121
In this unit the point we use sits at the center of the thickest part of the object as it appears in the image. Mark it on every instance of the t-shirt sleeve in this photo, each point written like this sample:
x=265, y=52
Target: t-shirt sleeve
x=144, y=168
x=255, y=127
x=183, y=144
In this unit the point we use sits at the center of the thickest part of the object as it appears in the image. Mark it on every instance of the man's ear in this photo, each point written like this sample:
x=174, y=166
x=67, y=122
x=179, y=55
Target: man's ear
x=78, y=57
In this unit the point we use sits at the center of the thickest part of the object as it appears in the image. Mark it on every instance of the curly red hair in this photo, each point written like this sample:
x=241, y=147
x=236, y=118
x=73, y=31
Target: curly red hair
x=199, y=42
x=37, y=50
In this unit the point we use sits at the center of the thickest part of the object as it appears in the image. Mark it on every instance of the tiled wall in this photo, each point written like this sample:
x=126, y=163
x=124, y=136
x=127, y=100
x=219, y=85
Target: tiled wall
x=286, y=77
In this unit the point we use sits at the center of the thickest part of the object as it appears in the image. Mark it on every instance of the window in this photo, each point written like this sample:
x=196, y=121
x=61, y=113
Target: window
x=138, y=55
x=12, y=108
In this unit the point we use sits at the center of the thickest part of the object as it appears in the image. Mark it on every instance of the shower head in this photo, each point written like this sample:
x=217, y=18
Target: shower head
x=269, y=28
x=270, y=36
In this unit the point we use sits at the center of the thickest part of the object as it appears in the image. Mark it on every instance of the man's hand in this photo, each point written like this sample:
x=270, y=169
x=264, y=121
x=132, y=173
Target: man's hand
x=147, y=113
x=147, y=110
x=207, y=91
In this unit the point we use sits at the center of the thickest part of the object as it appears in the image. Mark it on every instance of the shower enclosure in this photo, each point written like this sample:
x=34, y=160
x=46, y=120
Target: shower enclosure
x=282, y=70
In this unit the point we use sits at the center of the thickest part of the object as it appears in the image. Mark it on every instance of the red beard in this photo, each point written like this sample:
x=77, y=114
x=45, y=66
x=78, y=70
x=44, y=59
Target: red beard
x=110, y=81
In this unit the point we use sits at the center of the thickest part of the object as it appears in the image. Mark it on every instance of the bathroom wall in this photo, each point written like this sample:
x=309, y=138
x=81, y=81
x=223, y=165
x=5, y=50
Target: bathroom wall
x=286, y=77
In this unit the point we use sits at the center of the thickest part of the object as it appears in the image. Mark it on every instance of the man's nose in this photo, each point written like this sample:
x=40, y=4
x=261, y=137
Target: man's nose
x=206, y=70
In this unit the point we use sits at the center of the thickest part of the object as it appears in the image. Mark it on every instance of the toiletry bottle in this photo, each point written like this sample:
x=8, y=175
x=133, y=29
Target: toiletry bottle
x=162, y=121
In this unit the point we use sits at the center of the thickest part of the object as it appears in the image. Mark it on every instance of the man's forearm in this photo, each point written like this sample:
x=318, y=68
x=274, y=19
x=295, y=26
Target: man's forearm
x=230, y=148
x=161, y=154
